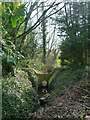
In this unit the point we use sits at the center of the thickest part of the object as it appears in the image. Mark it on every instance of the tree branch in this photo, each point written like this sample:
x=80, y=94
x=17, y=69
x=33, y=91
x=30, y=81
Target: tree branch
x=40, y=19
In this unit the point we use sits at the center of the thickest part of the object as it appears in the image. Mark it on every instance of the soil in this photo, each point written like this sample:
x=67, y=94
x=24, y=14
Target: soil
x=75, y=103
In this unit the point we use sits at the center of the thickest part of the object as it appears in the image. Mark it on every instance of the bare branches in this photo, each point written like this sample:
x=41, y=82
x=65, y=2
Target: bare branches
x=38, y=22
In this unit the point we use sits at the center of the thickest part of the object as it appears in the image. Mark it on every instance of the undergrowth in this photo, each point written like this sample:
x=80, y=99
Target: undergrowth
x=65, y=78
x=19, y=99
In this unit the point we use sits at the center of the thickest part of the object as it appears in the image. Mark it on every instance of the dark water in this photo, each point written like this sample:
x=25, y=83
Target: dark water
x=43, y=94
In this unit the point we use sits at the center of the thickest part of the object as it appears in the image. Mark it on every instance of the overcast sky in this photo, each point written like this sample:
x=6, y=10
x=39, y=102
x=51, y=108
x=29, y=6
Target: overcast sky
x=50, y=28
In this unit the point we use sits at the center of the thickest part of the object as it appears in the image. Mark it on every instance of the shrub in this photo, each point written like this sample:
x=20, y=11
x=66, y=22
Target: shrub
x=10, y=57
x=19, y=99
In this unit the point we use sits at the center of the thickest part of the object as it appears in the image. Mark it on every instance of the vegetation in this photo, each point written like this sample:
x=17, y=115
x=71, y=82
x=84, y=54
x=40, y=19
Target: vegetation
x=68, y=77
x=45, y=53
x=19, y=99
x=76, y=38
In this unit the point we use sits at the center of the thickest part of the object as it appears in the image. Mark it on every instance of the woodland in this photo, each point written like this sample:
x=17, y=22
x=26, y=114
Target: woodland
x=45, y=60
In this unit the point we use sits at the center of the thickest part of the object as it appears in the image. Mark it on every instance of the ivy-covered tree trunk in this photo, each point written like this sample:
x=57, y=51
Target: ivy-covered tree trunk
x=44, y=35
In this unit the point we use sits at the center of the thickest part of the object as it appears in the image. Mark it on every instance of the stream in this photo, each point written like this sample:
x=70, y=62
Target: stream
x=43, y=96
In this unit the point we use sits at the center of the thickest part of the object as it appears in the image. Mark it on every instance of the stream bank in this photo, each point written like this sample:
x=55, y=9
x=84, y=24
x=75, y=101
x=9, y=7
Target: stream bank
x=43, y=103
x=73, y=103
x=41, y=91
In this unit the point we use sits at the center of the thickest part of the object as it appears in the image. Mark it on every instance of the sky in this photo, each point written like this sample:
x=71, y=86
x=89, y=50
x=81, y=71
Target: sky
x=50, y=28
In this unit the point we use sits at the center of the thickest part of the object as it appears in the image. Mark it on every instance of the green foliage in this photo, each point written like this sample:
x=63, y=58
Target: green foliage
x=35, y=63
x=74, y=26
x=72, y=52
x=57, y=64
x=9, y=56
x=40, y=66
x=21, y=19
x=12, y=16
x=13, y=20
x=19, y=99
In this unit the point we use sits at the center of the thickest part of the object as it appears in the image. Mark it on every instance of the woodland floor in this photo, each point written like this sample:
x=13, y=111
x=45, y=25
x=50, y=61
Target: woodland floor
x=75, y=103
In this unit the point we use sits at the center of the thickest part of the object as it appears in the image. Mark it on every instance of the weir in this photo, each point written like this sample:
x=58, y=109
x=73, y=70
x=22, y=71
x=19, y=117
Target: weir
x=42, y=77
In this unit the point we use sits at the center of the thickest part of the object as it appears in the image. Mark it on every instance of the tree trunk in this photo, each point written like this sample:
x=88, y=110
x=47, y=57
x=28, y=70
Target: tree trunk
x=88, y=56
x=44, y=34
